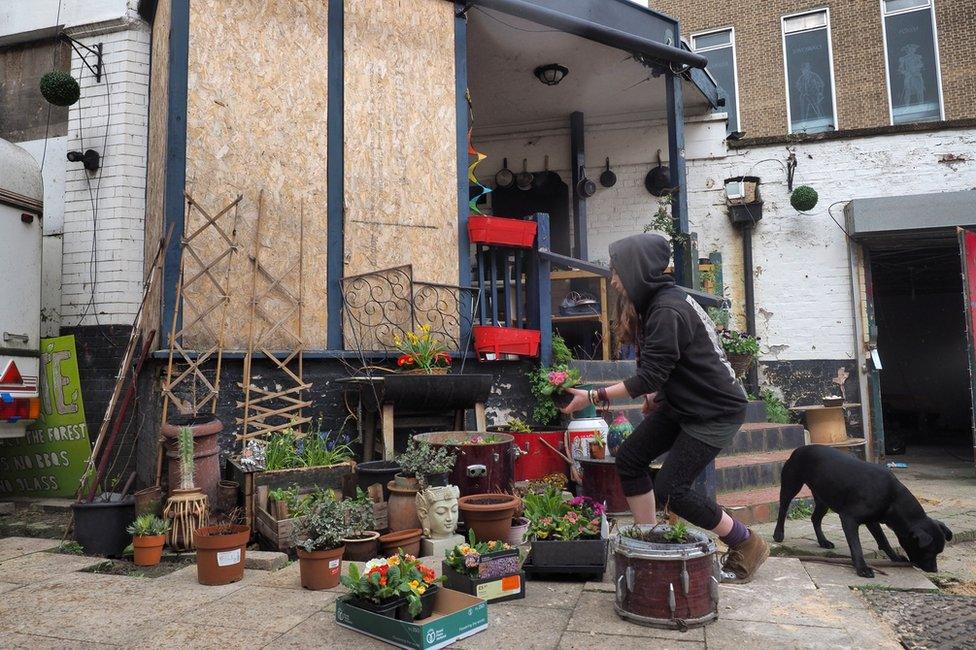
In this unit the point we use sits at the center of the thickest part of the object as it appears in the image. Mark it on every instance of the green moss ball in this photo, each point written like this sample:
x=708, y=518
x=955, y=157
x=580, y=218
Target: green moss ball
x=804, y=198
x=60, y=88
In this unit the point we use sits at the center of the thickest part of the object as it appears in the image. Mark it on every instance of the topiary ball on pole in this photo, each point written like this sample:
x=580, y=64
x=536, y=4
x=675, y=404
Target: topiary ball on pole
x=804, y=198
x=60, y=88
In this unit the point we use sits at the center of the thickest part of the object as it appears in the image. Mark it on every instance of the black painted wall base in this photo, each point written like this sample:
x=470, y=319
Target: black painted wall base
x=805, y=382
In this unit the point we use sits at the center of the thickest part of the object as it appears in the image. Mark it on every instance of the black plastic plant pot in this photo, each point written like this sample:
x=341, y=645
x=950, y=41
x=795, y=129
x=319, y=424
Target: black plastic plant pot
x=376, y=471
x=576, y=552
x=562, y=399
x=439, y=479
x=100, y=526
x=426, y=606
x=387, y=608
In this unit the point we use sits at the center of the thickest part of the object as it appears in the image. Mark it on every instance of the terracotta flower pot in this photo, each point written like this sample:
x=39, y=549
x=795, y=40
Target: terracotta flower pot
x=406, y=482
x=598, y=451
x=320, y=569
x=360, y=549
x=147, y=550
x=206, y=452
x=408, y=540
x=489, y=515
x=402, y=508
x=220, y=557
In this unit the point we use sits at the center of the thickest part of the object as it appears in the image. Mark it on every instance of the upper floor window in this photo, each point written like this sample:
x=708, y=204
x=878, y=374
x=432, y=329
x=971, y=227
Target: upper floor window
x=719, y=47
x=810, y=105
x=914, y=86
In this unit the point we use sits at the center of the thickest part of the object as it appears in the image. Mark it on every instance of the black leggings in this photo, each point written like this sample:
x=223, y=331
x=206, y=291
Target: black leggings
x=687, y=457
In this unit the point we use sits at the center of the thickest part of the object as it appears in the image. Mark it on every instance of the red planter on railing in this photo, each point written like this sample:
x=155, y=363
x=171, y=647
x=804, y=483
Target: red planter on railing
x=498, y=341
x=501, y=231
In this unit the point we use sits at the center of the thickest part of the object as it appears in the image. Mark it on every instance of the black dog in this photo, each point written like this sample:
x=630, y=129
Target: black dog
x=861, y=493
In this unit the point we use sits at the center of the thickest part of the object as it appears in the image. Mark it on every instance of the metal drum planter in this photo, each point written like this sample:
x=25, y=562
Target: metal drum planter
x=485, y=461
x=665, y=585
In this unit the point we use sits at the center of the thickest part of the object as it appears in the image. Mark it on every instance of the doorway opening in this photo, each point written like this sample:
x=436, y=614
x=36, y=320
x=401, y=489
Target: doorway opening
x=922, y=341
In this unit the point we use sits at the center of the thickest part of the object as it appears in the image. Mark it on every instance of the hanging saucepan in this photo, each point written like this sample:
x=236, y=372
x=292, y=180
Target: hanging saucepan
x=585, y=187
x=504, y=178
x=658, y=180
x=524, y=178
x=608, y=178
x=543, y=178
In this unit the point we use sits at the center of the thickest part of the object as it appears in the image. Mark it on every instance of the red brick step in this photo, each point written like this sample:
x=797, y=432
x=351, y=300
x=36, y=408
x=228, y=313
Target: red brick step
x=756, y=506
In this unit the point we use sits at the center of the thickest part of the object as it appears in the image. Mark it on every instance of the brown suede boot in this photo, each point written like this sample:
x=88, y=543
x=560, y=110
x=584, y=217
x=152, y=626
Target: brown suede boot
x=745, y=559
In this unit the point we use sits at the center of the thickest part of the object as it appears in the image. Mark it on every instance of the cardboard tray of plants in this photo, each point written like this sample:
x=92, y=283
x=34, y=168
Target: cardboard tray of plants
x=456, y=616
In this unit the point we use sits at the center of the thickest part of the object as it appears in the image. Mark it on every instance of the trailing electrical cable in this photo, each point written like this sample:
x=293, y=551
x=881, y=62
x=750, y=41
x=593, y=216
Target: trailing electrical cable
x=54, y=63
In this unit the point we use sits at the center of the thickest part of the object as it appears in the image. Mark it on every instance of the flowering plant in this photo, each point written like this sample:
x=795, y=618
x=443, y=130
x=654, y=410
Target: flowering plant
x=466, y=558
x=551, y=517
x=547, y=382
x=421, y=352
x=397, y=576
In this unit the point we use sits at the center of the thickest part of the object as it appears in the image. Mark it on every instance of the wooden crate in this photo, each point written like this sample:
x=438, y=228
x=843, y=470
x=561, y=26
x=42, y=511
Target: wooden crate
x=278, y=533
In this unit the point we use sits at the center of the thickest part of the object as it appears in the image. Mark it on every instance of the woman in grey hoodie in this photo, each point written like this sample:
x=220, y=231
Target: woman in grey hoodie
x=693, y=403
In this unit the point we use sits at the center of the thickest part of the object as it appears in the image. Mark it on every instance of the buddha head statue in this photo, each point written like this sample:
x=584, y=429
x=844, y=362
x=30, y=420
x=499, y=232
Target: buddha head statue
x=437, y=508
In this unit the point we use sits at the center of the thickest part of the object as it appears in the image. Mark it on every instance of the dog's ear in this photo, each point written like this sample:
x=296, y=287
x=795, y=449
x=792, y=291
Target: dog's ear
x=921, y=537
x=945, y=530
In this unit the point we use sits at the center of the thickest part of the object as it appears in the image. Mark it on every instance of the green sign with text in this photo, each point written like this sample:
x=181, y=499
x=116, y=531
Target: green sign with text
x=50, y=460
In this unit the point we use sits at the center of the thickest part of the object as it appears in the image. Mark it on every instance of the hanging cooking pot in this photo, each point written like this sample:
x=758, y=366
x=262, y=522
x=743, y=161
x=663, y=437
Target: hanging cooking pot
x=504, y=178
x=542, y=178
x=585, y=187
x=608, y=178
x=524, y=178
x=658, y=180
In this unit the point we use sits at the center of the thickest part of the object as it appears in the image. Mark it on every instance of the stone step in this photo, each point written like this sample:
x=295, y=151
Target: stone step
x=746, y=471
x=757, y=506
x=760, y=437
x=756, y=411
x=597, y=371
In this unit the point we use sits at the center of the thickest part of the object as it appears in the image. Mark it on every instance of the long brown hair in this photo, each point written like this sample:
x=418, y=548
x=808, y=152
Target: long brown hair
x=626, y=319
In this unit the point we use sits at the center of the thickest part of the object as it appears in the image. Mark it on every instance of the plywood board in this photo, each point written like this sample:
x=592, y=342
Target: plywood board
x=257, y=120
x=400, y=138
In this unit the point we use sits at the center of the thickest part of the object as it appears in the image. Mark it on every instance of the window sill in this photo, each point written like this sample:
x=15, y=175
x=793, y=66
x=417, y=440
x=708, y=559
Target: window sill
x=846, y=134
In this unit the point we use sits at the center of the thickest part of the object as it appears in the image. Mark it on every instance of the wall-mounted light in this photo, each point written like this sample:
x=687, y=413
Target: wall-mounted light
x=551, y=74
x=90, y=159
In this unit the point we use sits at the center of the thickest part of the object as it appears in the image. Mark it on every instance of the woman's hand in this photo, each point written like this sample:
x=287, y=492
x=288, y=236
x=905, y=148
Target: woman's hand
x=651, y=404
x=581, y=399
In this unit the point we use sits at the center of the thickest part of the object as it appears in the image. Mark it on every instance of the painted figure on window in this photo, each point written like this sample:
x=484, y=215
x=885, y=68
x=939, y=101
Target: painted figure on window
x=810, y=93
x=910, y=66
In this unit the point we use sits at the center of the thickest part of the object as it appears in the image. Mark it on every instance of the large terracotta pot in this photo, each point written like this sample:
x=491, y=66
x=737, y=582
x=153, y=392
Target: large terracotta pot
x=489, y=515
x=320, y=569
x=408, y=540
x=206, y=452
x=220, y=557
x=147, y=550
x=402, y=508
x=360, y=549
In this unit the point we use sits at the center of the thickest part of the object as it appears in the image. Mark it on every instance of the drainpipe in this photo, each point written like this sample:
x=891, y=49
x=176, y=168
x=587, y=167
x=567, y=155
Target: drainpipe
x=745, y=211
x=748, y=279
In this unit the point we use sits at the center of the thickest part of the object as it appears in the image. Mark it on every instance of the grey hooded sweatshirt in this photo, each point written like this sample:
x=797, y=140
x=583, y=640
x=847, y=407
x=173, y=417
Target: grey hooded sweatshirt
x=679, y=353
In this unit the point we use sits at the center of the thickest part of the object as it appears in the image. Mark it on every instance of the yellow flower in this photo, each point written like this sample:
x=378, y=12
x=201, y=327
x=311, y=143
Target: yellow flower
x=421, y=589
x=393, y=560
x=491, y=546
x=425, y=328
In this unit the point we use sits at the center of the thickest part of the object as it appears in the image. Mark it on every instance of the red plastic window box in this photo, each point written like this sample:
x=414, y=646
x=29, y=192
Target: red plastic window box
x=501, y=231
x=492, y=343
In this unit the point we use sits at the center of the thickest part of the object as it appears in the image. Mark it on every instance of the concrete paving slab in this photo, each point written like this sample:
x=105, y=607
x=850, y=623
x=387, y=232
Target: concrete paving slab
x=8, y=586
x=184, y=634
x=783, y=573
x=588, y=641
x=866, y=628
x=39, y=567
x=560, y=595
x=11, y=547
x=37, y=642
x=761, y=603
x=606, y=587
x=320, y=631
x=594, y=611
x=265, y=560
x=265, y=609
x=290, y=578
x=726, y=634
x=842, y=575
x=519, y=627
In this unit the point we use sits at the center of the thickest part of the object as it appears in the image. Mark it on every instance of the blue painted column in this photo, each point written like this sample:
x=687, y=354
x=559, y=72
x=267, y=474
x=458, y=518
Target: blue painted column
x=335, y=264
x=464, y=246
x=175, y=182
x=544, y=289
x=683, y=264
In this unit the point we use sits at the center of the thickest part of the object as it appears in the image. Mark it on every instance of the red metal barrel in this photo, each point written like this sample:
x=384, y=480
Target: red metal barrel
x=485, y=461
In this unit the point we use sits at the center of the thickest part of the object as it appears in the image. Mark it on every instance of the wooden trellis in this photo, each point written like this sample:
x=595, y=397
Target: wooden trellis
x=200, y=312
x=275, y=322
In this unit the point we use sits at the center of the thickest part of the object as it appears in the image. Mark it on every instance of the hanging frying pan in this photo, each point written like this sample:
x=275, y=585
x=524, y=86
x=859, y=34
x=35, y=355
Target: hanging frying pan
x=658, y=180
x=504, y=178
x=608, y=178
x=585, y=187
x=544, y=177
x=524, y=178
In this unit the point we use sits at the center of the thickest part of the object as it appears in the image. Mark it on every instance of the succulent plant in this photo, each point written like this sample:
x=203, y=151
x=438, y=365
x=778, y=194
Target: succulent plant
x=184, y=443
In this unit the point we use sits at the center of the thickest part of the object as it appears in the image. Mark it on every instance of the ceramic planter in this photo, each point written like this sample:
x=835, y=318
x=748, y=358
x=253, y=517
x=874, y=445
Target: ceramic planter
x=206, y=452
x=402, y=508
x=406, y=482
x=147, y=550
x=408, y=540
x=361, y=549
x=516, y=535
x=489, y=515
x=220, y=553
x=100, y=526
x=227, y=495
x=320, y=569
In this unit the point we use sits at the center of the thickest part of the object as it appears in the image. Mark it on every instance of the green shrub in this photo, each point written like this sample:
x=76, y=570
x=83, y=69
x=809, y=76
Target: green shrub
x=60, y=88
x=804, y=198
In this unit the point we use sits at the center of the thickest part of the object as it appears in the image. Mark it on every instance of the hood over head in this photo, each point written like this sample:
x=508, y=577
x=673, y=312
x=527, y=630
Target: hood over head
x=639, y=261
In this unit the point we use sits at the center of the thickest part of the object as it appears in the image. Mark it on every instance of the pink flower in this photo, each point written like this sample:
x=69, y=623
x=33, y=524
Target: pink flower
x=572, y=516
x=557, y=377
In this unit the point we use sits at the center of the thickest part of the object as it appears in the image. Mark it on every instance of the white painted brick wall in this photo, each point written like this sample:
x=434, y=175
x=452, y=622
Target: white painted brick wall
x=111, y=117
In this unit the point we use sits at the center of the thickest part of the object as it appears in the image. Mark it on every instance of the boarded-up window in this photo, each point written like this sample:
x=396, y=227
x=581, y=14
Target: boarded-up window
x=23, y=111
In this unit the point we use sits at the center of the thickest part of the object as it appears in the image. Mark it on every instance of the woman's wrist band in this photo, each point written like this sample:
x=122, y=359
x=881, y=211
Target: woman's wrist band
x=602, y=396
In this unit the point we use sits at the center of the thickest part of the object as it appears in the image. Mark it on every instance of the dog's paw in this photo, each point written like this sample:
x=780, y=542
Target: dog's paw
x=826, y=544
x=778, y=536
x=866, y=572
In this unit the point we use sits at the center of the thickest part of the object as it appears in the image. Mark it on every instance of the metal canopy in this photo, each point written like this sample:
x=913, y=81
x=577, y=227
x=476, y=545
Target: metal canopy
x=926, y=215
x=617, y=23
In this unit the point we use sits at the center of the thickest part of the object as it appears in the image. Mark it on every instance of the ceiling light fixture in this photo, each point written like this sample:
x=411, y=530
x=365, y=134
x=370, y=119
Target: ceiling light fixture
x=551, y=74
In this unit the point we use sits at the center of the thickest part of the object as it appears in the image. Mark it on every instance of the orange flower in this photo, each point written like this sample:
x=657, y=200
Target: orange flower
x=405, y=360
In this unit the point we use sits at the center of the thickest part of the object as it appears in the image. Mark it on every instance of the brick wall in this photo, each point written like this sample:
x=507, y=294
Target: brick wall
x=111, y=118
x=858, y=50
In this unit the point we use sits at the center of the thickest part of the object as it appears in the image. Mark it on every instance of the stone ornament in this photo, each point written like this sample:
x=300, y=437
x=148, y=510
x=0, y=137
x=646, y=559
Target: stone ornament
x=437, y=508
